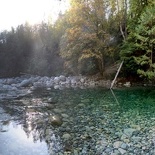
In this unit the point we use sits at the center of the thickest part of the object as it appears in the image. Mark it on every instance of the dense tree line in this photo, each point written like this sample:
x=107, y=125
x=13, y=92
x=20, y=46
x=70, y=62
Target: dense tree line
x=31, y=50
x=90, y=36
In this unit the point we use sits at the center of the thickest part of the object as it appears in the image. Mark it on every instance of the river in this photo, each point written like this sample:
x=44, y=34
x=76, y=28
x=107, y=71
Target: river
x=80, y=122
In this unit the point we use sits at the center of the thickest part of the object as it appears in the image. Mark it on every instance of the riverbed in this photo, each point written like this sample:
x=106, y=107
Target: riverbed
x=92, y=121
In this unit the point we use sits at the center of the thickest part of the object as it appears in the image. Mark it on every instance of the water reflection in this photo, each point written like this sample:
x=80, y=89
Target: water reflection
x=14, y=141
x=114, y=96
x=30, y=131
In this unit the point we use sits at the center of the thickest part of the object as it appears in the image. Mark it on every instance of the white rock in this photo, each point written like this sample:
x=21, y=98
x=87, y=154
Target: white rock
x=127, y=84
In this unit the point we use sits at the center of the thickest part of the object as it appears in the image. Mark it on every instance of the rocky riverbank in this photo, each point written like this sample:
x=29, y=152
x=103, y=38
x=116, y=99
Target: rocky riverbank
x=17, y=87
x=24, y=85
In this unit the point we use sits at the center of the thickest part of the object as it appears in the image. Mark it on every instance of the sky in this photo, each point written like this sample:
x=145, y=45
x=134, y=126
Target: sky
x=17, y=12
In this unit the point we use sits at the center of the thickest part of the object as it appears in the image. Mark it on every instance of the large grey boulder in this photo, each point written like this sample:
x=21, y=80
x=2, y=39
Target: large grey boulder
x=62, y=78
x=56, y=80
x=25, y=83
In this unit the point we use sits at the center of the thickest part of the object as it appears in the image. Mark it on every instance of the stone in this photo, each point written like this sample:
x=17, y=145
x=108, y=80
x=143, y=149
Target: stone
x=127, y=84
x=115, y=152
x=25, y=83
x=137, y=127
x=136, y=139
x=122, y=151
x=117, y=144
x=56, y=86
x=57, y=110
x=64, y=115
x=55, y=120
x=11, y=81
x=66, y=136
x=108, y=150
x=38, y=85
x=30, y=110
x=62, y=78
x=73, y=81
x=124, y=146
x=56, y=80
x=129, y=131
x=82, y=80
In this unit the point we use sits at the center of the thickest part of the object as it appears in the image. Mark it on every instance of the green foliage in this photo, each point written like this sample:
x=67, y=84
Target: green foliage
x=84, y=40
x=89, y=36
x=140, y=45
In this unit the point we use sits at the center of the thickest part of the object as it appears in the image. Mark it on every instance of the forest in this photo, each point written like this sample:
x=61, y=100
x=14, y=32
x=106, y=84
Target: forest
x=90, y=36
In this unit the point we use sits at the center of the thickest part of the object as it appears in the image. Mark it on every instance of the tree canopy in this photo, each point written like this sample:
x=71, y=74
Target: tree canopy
x=86, y=39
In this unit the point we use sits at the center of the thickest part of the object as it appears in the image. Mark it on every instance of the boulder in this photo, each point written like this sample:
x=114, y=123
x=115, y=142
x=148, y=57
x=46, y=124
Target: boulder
x=55, y=120
x=25, y=83
x=39, y=85
x=62, y=78
x=56, y=80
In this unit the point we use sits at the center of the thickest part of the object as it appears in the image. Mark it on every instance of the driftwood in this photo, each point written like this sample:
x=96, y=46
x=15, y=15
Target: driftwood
x=116, y=74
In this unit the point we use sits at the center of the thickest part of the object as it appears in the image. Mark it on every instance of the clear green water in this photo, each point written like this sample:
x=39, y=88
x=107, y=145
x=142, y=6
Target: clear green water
x=91, y=117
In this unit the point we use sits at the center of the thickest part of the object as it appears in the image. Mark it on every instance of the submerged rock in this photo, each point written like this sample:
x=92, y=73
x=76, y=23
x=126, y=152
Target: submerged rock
x=129, y=131
x=117, y=144
x=66, y=136
x=55, y=120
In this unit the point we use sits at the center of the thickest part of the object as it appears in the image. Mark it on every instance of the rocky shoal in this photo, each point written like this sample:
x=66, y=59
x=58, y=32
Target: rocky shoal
x=24, y=85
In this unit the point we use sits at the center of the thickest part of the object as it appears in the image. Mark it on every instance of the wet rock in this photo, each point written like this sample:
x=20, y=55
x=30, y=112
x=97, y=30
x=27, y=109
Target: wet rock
x=57, y=110
x=66, y=136
x=55, y=120
x=64, y=115
x=124, y=146
x=67, y=147
x=117, y=144
x=108, y=150
x=136, y=139
x=122, y=151
x=129, y=131
x=115, y=152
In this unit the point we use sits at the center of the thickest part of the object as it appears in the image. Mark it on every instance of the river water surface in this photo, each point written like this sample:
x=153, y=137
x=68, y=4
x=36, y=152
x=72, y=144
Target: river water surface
x=88, y=122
